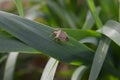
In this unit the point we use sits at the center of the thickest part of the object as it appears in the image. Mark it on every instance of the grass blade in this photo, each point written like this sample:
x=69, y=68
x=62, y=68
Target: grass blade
x=99, y=58
x=112, y=30
x=94, y=13
x=89, y=22
x=19, y=7
x=50, y=69
x=91, y=40
x=79, y=34
x=78, y=73
x=3, y=58
x=10, y=66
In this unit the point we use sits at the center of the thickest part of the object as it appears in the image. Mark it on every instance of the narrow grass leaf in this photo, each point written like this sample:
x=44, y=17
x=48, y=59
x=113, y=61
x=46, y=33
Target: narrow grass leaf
x=89, y=22
x=50, y=69
x=99, y=58
x=78, y=73
x=112, y=30
x=3, y=58
x=94, y=13
x=19, y=7
x=91, y=40
x=10, y=66
x=79, y=34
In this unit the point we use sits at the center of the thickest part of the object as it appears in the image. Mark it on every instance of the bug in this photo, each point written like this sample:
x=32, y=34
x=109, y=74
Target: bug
x=60, y=35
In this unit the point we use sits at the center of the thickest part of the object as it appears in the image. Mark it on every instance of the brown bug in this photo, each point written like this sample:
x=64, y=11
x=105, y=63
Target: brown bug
x=61, y=35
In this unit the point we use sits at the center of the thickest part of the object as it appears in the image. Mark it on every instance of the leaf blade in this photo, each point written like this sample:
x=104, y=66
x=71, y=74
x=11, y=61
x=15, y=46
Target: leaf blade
x=19, y=7
x=50, y=69
x=8, y=44
x=78, y=73
x=33, y=34
x=99, y=58
x=111, y=30
x=10, y=66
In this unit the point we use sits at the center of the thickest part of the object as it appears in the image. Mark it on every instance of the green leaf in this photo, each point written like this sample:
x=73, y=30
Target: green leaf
x=12, y=58
x=3, y=58
x=94, y=13
x=39, y=37
x=112, y=30
x=80, y=34
x=99, y=58
x=50, y=69
x=10, y=66
x=78, y=73
x=8, y=43
x=19, y=7
x=89, y=22
x=91, y=40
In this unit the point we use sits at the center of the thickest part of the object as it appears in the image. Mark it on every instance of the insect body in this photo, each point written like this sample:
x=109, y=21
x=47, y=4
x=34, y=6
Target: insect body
x=61, y=35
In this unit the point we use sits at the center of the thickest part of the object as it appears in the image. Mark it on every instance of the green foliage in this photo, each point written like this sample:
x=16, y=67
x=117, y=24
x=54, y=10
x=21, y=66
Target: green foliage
x=87, y=23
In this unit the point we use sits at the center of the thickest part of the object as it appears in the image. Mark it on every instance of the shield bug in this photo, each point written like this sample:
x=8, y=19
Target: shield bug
x=61, y=35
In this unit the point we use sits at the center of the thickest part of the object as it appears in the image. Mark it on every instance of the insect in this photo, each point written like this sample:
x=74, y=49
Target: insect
x=61, y=35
